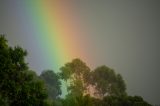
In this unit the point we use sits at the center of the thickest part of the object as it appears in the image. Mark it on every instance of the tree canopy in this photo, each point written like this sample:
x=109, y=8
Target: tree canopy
x=18, y=85
x=107, y=82
x=108, y=87
x=76, y=72
x=52, y=83
x=21, y=86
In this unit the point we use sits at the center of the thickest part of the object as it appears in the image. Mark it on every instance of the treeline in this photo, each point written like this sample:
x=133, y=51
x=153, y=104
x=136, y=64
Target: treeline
x=20, y=86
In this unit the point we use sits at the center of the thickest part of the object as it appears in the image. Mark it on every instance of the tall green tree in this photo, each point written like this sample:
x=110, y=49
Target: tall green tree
x=76, y=73
x=107, y=82
x=52, y=83
x=18, y=85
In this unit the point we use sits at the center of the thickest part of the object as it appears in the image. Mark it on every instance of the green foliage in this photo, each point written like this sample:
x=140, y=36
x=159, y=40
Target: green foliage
x=107, y=82
x=52, y=83
x=18, y=86
x=76, y=73
x=110, y=87
x=80, y=100
x=124, y=101
x=87, y=100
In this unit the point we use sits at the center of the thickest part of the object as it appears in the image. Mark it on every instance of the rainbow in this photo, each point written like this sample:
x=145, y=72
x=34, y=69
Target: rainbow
x=57, y=30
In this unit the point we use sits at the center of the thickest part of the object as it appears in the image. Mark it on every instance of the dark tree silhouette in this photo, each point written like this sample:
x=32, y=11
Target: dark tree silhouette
x=52, y=83
x=107, y=82
x=18, y=85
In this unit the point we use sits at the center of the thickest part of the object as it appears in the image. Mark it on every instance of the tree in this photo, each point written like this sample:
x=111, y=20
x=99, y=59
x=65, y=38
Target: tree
x=32, y=90
x=71, y=100
x=76, y=72
x=107, y=82
x=18, y=85
x=52, y=83
x=124, y=101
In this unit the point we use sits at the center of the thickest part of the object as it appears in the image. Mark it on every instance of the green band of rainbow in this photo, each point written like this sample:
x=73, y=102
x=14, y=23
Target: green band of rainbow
x=55, y=30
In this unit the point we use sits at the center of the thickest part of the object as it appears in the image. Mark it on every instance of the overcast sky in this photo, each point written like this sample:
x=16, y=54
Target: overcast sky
x=123, y=34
